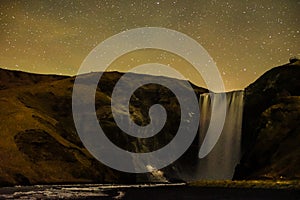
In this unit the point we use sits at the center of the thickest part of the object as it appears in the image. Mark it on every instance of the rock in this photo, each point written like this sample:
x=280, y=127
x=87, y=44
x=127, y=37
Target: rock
x=271, y=128
x=294, y=59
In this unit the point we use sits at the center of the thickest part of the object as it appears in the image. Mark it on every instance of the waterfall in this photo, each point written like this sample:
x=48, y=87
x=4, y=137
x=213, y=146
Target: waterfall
x=220, y=163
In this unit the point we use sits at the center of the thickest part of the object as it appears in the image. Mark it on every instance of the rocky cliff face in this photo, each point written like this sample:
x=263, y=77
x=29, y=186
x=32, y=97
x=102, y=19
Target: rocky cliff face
x=271, y=126
x=39, y=143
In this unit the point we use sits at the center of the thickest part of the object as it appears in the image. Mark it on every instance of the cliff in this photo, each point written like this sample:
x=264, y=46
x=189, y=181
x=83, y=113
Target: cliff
x=271, y=128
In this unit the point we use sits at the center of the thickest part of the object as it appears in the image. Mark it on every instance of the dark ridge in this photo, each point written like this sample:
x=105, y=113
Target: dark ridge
x=14, y=78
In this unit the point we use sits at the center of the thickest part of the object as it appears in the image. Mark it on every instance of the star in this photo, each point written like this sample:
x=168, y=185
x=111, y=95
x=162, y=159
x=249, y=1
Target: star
x=244, y=38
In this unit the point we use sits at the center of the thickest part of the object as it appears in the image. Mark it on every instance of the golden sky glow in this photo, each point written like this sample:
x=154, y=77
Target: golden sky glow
x=245, y=38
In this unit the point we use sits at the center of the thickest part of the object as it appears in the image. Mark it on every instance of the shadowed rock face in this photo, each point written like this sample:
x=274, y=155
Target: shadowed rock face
x=271, y=128
x=39, y=143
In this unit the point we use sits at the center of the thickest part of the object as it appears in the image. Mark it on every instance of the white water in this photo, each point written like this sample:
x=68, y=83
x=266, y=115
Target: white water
x=156, y=176
x=74, y=191
x=220, y=163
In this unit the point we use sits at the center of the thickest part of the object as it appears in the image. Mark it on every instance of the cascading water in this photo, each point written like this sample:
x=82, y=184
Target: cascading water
x=220, y=163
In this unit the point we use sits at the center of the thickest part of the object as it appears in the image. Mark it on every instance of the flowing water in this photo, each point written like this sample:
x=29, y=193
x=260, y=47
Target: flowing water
x=145, y=192
x=220, y=163
x=76, y=191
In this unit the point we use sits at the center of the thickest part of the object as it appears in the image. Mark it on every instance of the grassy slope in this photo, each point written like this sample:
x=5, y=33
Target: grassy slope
x=30, y=125
x=39, y=142
x=264, y=184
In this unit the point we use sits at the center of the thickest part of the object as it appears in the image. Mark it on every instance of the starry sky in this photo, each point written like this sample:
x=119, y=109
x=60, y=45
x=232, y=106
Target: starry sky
x=245, y=38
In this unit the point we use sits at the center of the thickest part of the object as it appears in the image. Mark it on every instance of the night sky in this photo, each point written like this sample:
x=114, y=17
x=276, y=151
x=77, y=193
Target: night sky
x=245, y=38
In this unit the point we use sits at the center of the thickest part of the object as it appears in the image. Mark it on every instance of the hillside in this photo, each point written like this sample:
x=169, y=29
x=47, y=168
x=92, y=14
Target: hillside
x=39, y=143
